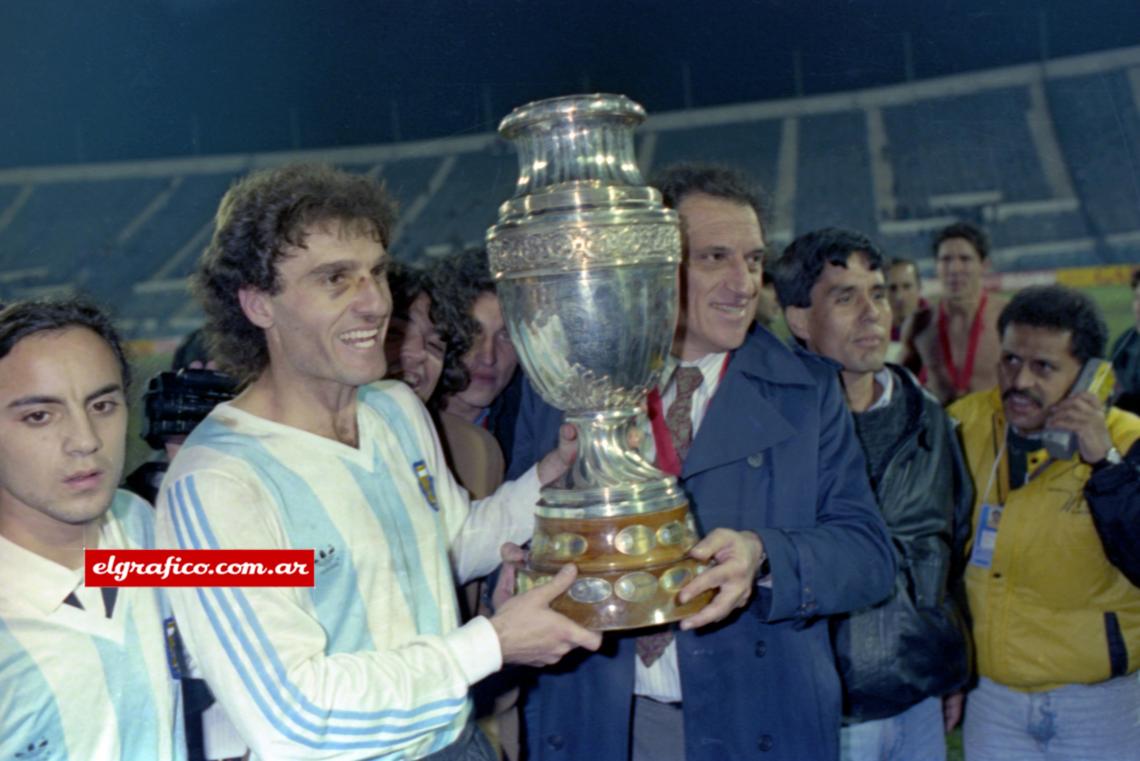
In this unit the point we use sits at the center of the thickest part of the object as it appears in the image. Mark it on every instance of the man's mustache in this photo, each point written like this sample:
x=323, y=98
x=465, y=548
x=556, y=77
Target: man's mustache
x=1024, y=394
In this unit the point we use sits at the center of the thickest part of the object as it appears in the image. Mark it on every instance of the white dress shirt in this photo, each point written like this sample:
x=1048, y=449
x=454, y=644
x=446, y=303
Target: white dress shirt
x=662, y=680
x=886, y=381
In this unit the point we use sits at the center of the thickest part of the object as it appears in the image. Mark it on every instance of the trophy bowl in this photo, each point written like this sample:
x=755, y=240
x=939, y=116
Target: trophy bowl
x=585, y=260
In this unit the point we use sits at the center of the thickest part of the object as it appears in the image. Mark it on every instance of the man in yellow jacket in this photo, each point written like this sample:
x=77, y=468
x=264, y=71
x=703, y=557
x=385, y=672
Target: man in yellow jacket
x=1054, y=564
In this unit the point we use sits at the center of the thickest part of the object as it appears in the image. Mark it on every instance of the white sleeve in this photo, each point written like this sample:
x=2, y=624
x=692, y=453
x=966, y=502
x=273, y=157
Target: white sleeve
x=505, y=516
x=476, y=530
x=263, y=651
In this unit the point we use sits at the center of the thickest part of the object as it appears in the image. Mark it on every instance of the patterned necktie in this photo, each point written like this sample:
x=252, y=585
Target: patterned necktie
x=679, y=421
x=679, y=416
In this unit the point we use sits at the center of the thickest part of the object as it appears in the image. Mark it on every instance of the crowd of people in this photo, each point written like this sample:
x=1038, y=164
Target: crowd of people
x=914, y=514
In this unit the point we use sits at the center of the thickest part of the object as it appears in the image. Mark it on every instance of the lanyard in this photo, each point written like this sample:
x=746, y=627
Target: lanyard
x=997, y=464
x=960, y=380
x=667, y=458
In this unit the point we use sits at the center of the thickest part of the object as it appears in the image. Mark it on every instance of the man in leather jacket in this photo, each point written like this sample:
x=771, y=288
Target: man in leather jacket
x=896, y=658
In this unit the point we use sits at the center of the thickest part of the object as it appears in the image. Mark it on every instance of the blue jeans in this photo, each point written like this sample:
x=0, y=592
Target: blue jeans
x=916, y=734
x=1076, y=722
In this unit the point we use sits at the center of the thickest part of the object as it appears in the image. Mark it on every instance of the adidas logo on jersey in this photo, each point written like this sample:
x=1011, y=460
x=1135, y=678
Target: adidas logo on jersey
x=39, y=749
x=327, y=559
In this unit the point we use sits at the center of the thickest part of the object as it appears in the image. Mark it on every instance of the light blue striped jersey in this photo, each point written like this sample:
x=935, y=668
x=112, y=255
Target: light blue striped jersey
x=75, y=684
x=371, y=662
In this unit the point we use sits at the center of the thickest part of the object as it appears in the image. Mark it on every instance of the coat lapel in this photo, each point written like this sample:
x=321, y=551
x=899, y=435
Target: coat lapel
x=741, y=422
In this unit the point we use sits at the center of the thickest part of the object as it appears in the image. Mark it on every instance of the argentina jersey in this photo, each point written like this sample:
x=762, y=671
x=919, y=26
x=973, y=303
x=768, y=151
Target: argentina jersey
x=371, y=662
x=87, y=679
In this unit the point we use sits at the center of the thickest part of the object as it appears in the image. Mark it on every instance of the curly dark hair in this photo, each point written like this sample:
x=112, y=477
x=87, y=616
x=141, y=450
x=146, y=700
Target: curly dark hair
x=679, y=180
x=803, y=261
x=970, y=232
x=1058, y=308
x=259, y=219
x=24, y=318
x=405, y=283
x=456, y=283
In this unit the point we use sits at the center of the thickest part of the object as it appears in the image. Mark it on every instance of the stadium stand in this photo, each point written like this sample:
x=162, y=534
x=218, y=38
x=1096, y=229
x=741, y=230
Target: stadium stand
x=1045, y=156
x=833, y=181
x=751, y=146
x=1098, y=126
x=964, y=144
x=467, y=200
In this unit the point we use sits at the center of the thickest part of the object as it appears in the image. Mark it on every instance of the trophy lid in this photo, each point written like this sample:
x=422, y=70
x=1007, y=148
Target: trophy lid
x=576, y=152
x=594, y=108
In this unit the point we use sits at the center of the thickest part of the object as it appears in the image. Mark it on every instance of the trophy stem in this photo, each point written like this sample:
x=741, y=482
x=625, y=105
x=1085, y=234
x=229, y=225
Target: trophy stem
x=610, y=476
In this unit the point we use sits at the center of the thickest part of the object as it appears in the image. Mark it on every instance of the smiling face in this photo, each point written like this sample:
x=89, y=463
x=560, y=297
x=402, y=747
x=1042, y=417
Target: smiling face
x=325, y=329
x=414, y=348
x=1036, y=370
x=724, y=255
x=849, y=319
x=63, y=425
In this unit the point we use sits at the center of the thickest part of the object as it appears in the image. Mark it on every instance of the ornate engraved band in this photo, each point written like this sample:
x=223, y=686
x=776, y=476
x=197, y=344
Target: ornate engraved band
x=526, y=251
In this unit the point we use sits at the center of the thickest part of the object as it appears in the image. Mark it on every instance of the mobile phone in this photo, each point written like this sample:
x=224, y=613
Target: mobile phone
x=1096, y=376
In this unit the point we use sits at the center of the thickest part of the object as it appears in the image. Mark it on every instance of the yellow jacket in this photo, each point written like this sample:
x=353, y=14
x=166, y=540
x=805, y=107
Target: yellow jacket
x=1051, y=609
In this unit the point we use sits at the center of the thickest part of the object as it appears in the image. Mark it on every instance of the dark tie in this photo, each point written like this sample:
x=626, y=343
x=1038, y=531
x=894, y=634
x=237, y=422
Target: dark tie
x=679, y=421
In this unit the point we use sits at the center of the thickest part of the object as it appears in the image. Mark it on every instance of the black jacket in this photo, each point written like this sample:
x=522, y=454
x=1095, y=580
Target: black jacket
x=916, y=643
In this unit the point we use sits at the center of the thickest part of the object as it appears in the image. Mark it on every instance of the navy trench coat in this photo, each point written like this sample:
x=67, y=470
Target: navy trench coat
x=776, y=454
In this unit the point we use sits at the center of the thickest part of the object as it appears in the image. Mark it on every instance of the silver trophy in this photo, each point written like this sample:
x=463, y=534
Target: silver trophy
x=585, y=257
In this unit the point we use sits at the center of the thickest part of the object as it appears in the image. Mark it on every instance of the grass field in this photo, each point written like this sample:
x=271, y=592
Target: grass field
x=1116, y=303
x=954, y=745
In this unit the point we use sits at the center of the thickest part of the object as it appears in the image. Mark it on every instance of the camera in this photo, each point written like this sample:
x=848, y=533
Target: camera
x=175, y=402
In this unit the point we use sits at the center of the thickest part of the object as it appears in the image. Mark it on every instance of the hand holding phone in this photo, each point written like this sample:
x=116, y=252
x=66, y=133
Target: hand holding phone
x=1077, y=422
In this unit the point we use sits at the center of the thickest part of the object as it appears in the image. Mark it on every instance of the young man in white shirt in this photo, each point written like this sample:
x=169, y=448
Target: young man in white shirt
x=84, y=672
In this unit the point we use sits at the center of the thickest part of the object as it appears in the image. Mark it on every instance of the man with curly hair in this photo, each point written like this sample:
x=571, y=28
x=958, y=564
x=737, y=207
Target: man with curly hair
x=315, y=454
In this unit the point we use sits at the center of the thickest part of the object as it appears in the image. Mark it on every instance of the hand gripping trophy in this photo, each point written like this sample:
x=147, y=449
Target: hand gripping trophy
x=585, y=257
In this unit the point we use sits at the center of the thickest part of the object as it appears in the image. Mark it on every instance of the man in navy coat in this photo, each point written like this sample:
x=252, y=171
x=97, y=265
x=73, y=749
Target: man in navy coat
x=777, y=483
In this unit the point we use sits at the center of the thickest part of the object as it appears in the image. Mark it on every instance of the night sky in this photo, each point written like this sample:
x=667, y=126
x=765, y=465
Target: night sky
x=106, y=80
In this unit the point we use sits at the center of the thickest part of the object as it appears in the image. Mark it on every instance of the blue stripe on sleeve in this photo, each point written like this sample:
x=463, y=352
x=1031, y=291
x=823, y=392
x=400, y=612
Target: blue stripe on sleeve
x=184, y=491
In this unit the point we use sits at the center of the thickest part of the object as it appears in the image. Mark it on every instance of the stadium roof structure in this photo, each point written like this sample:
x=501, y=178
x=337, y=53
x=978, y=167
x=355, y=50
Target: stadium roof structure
x=131, y=79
